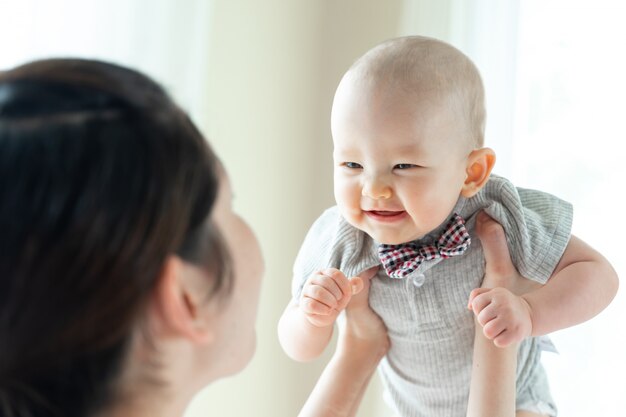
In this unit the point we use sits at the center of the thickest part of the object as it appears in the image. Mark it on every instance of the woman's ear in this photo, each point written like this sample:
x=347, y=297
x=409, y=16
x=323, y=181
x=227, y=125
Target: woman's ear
x=479, y=165
x=179, y=310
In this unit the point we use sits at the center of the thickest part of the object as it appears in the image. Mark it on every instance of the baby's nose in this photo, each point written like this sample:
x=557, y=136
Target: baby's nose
x=376, y=188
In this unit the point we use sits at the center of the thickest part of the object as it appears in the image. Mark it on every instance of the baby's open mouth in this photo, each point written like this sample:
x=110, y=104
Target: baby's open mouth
x=385, y=215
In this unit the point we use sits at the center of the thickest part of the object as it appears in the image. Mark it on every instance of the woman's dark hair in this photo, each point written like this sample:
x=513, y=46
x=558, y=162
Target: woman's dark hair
x=102, y=177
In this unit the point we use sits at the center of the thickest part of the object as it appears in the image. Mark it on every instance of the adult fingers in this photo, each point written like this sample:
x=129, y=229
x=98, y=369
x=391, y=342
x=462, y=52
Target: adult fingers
x=362, y=281
x=360, y=300
x=360, y=288
x=357, y=284
x=368, y=274
x=495, y=247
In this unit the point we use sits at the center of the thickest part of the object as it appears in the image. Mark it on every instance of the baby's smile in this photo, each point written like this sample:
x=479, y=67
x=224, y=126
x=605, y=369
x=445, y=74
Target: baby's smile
x=385, y=215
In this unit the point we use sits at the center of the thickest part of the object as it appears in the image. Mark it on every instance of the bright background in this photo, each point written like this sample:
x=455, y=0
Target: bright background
x=258, y=78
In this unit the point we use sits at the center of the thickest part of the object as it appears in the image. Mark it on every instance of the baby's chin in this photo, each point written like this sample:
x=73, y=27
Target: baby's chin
x=379, y=235
x=392, y=239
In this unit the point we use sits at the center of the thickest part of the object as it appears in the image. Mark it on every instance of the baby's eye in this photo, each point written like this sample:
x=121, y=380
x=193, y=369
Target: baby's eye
x=404, y=166
x=352, y=165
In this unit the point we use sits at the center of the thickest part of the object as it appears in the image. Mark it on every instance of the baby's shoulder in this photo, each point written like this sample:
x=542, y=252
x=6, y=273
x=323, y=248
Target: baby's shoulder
x=345, y=247
x=537, y=224
x=495, y=187
x=331, y=226
x=501, y=190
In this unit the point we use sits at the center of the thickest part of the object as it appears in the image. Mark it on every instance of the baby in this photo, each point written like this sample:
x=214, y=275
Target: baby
x=411, y=175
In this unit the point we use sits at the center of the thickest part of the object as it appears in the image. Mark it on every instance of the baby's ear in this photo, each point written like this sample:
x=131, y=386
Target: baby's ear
x=479, y=165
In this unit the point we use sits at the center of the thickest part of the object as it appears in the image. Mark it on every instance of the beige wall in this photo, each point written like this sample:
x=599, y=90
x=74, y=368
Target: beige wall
x=273, y=67
x=258, y=77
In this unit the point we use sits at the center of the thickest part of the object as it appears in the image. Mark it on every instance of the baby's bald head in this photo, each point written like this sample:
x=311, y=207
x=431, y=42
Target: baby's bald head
x=429, y=70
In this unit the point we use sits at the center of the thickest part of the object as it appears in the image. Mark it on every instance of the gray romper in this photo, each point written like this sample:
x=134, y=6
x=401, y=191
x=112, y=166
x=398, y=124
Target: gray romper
x=428, y=367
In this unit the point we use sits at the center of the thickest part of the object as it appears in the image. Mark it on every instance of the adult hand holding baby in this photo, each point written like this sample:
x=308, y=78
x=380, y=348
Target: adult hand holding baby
x=499, y=305
x=362, y=323
x=361, y=344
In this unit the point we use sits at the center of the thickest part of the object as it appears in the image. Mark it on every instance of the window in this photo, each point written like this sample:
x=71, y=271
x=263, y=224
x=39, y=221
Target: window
x=569, y=139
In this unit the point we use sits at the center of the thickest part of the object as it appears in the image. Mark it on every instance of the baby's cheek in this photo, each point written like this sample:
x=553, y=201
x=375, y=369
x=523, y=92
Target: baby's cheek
x=344, y=190
x=348, y=203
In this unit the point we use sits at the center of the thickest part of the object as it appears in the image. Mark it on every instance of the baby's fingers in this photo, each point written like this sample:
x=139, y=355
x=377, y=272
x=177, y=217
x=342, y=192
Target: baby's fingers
x=506, y=338
x=493, y=329
x=487, y=314
x=341, y=282
x=312, y=306
x=473, y=304
x=326, y=279
x=321, y=294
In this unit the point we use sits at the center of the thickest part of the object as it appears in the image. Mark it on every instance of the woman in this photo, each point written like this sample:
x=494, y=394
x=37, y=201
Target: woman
x=127, y=281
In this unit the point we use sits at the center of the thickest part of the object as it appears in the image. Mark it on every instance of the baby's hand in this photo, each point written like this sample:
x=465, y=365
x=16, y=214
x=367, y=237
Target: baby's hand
x=504, y=316
x=325, y=294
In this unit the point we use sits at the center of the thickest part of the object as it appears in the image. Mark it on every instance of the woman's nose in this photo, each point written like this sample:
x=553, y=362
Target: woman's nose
x=376, y=188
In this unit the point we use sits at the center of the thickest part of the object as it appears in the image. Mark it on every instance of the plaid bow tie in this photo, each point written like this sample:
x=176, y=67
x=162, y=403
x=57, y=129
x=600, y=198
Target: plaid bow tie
x=401, y=260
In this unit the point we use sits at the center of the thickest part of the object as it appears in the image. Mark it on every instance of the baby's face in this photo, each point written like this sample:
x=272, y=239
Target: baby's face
x=399, y=161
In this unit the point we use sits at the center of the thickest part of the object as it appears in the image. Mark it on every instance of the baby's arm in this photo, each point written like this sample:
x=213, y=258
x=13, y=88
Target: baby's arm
x=306, y=326
x=361, y=344
x=581, y=286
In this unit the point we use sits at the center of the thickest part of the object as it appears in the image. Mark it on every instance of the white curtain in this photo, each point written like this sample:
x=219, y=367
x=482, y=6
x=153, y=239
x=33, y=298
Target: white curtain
x=167, y=40
x=554, y=75
x=487, y=32
x=569, y=139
